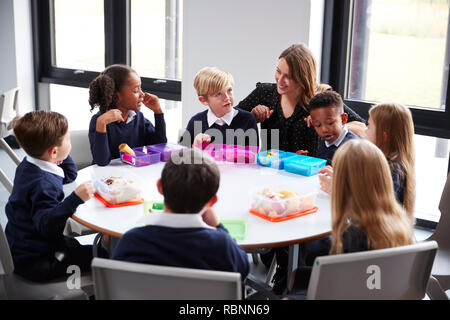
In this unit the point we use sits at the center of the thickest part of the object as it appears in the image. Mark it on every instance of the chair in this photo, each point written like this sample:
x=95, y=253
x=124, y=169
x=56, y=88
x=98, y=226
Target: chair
x=441, y=266
x=14, y=287
x=394, y=273
x=128, y=280
x=8, y=110
x=82, y=157
x=81, y=152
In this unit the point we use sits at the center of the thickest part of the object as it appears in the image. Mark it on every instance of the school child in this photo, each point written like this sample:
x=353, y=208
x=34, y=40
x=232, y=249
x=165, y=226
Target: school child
x=37, y=210
x=221, y=123
x=364, y=212
x=188, y=233
x=391, y=128
x=118, y=94
x=328, y=119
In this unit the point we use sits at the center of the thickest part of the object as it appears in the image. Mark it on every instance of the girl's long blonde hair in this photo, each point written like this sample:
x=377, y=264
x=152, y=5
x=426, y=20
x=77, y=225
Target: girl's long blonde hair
x=394, y=130
x=363, y=196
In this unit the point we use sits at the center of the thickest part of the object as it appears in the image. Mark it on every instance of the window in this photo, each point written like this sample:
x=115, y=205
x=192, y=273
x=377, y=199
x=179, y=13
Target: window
x=79, y=34
x=74, y=40
x=381, y=51
x=71, y=51
x=156, y=36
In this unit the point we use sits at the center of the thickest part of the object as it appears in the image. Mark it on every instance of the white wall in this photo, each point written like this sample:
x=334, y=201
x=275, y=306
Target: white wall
x=16, y=54
x=244, y=37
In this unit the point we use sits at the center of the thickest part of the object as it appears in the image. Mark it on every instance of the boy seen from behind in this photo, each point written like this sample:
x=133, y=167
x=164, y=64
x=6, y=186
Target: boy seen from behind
x=328, y=118
x=188, y=233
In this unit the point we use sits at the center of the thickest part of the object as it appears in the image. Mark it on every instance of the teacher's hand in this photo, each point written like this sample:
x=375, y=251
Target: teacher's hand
x=261, y=113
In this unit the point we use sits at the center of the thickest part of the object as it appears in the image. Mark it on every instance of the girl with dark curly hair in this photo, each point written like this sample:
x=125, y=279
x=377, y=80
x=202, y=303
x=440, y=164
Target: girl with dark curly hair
x=117, y=92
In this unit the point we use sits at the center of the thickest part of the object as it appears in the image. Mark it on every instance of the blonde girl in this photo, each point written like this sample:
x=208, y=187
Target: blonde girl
x=365, y=213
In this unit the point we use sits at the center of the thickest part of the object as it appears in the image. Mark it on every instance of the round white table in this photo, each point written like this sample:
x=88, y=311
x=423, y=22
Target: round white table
x=238, y=182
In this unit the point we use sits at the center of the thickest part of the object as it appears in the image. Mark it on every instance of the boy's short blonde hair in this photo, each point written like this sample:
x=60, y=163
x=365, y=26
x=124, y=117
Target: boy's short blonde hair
x=210, y=80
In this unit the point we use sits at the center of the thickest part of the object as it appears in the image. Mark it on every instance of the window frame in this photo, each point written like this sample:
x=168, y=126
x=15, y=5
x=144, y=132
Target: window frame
x=117, y=50
x=336, y=45
x=338, y=21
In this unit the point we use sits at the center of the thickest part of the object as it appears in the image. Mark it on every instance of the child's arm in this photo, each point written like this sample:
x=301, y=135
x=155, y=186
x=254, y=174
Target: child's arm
x=155, y=134
x=70, y=170
x=50, y=214
x=99, y=144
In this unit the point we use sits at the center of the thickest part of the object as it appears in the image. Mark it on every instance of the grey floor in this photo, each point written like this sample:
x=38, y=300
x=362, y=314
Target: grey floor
x=9, y=167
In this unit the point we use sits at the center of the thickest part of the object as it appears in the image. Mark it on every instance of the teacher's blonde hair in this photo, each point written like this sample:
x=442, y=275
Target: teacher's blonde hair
x=363, y=196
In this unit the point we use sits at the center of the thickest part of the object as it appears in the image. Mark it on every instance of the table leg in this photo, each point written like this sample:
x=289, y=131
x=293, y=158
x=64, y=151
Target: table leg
x=293, y=262
x=97, y=242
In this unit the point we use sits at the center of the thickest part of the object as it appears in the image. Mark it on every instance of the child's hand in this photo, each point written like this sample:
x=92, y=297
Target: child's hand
x=107, y=118
x=152, y=102
x=261, y=113
x=302, y=152
x=85, y=191
x=308, y=121
x=357, y=128
x=200, y=140
x=326, y=178
x=210, y=218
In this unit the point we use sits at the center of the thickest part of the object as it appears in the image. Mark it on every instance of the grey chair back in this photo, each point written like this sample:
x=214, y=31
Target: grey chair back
x=81, y=151
x=395, y=273
x=8, y=110
x=442, y=235
x=127, y=280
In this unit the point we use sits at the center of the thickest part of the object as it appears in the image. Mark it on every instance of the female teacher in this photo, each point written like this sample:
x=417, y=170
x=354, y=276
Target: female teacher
x=283, y=105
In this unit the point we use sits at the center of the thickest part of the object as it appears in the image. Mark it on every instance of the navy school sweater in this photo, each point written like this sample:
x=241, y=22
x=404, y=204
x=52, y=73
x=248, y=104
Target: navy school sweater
x=327, y=153
x=139, y=132
x=198, y=248
x=243, y=120
x=37, y=211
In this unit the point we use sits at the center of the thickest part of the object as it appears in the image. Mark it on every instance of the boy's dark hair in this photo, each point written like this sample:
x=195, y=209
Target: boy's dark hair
x=37, y=131
x=189, y=180
x=102, y=90
x=326, y=99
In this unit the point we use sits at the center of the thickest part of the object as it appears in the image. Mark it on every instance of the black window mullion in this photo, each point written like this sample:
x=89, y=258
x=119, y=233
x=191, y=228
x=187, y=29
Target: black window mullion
x=335, y=48
x=117, y=32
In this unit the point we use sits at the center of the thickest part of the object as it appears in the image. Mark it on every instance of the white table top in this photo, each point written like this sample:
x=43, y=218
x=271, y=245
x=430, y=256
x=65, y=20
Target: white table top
x=237, y=184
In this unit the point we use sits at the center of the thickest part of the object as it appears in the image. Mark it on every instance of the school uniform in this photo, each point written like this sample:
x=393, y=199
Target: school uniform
x=326, y=150
x=37, y=213
x=399, y=181
x=353, y=240
x=182, y=240
x=137, y=131
x=207, y=122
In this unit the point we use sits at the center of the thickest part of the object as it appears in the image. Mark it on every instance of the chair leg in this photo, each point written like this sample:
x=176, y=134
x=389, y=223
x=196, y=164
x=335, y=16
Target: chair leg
x=435, y=291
